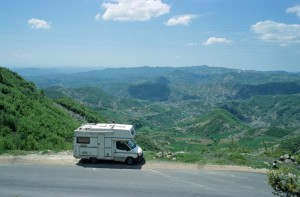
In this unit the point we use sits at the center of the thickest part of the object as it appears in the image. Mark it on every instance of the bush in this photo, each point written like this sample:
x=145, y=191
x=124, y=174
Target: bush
x=284, y=182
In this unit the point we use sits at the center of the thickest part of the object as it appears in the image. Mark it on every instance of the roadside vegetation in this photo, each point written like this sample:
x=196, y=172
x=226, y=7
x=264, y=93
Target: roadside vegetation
x=285, y=181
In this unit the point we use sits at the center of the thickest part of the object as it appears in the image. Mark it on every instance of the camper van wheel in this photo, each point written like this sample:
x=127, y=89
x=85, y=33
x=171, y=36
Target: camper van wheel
x=93, y=159
x=130, y=161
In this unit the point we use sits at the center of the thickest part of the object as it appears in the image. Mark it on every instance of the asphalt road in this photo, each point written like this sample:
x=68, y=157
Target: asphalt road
x=103, y=180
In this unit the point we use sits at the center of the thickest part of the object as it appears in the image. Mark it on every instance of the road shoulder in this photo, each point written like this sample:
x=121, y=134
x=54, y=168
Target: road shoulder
x=66, y=158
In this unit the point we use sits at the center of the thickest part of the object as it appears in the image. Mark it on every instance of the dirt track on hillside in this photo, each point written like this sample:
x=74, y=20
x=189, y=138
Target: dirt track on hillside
x=66, y=158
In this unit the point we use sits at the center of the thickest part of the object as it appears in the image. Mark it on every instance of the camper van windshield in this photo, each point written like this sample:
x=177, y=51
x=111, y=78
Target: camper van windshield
x=131, y=144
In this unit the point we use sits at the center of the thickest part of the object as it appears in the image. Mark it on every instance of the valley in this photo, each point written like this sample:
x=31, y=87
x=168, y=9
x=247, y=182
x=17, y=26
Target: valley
x=199, y=114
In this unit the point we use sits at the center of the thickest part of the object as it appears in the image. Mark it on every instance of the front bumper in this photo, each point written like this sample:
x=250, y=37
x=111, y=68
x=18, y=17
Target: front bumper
x=139, y=158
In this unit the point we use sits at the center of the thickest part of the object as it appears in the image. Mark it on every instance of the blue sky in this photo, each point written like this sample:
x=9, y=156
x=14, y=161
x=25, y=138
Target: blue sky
x=248, y=35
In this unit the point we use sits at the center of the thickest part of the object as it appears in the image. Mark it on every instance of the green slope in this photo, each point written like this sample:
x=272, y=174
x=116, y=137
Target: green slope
x=216, y=123
x=87, y=114
x=91, y=96
x=268, y=111
x=132, y=111
x=28, y=120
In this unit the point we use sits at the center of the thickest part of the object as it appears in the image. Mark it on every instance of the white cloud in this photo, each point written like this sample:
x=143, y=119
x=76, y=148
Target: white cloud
x=134, y=10
x=294, y=10
x=39, y=24
x=97, y=17
x=214, y=40
x=279, y=32
x=180, y=20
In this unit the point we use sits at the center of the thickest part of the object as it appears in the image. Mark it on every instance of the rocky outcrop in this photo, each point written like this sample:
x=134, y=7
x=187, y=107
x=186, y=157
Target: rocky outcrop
x=287, y=159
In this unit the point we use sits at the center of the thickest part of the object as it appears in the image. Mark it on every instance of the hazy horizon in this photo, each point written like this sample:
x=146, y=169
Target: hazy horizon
x=75, y=69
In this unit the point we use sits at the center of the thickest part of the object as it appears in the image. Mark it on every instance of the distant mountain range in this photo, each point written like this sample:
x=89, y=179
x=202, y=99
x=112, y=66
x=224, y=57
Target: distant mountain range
x=47, y=77
x=182, y=82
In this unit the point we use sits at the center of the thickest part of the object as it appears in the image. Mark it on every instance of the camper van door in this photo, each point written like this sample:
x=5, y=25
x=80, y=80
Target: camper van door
x=108, y=148
x=121, y=152
x=101, y=146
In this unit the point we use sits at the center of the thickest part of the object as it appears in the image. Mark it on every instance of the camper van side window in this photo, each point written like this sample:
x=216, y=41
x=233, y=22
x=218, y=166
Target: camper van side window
x=83, y=140
x=132, y=132
x=121, y=145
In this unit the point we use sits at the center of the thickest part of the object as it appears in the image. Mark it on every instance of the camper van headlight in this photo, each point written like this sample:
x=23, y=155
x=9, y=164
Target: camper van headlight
x=139, y=154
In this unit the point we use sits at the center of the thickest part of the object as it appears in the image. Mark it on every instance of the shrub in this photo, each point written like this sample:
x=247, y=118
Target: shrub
x=284, y=182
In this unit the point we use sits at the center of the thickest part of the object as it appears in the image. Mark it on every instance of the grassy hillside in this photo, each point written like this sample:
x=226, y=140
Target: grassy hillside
x=137, y=112
x=268, y=111
x=217, y=122
x=28, y=120
x=81, y=110
x=91, y=96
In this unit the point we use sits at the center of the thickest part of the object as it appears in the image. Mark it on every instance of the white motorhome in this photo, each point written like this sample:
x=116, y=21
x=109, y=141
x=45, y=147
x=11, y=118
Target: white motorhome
x=106, y=142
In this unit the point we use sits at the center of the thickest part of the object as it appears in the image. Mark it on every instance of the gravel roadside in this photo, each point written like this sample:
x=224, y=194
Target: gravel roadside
x=66, y=158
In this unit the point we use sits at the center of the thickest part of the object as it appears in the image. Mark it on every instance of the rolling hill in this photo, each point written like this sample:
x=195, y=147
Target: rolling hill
x=268, y=111
x=217, y=122
x=31, y=121
x=132, y=111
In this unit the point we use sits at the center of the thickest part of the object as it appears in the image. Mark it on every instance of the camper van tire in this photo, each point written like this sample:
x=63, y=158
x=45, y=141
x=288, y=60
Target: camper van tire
x=129, y=161
x=94, y=160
